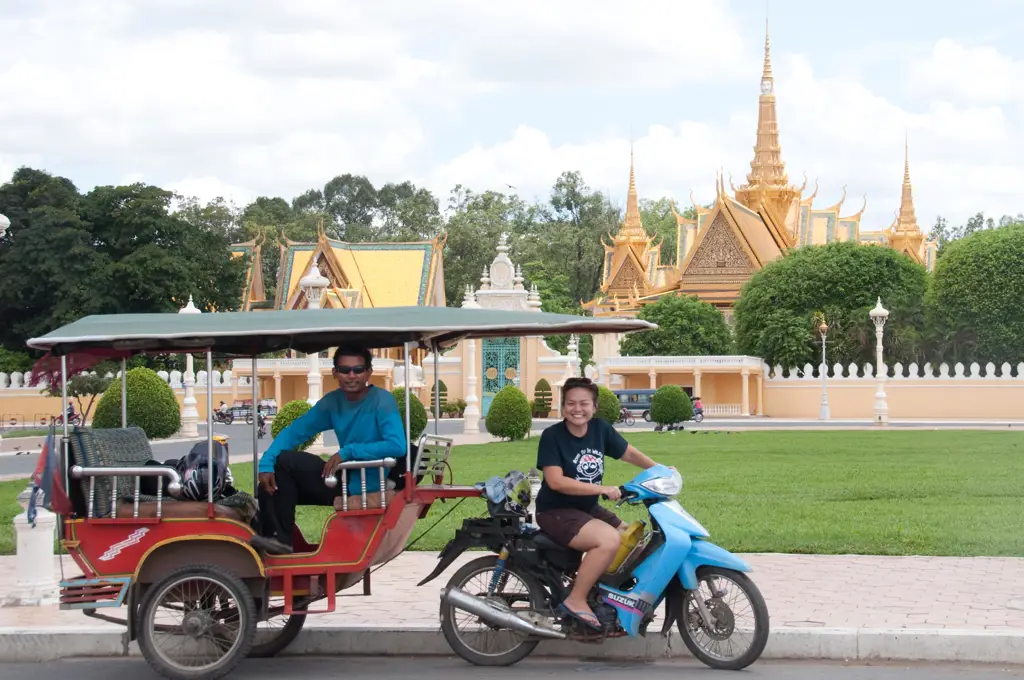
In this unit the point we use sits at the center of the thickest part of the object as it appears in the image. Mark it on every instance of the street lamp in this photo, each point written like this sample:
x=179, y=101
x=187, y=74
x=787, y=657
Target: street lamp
x=4, y=224
x=879, y=315
x=313, y=285
x=823, y=413
x=189, y=414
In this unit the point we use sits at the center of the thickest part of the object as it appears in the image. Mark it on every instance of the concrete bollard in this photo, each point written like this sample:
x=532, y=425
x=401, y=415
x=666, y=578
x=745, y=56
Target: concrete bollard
x=36, y=584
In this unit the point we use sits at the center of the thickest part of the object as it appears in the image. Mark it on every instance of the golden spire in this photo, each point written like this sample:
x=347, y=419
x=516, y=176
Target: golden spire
x=767, y=169
x=907, y=219
x=632, y=228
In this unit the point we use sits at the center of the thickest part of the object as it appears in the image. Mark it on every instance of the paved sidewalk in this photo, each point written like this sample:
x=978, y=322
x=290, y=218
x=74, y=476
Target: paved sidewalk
x=826, y=607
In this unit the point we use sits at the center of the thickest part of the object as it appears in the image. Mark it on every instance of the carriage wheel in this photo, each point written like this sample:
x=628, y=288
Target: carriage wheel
x=278, y=631
x=197, y=622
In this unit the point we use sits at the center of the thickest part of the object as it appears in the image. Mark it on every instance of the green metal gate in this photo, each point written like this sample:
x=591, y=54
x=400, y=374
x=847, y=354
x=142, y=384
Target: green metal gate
x=500, y=367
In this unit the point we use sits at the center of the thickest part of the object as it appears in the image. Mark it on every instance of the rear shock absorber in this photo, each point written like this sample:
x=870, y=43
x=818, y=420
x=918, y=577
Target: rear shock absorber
x=499, y=571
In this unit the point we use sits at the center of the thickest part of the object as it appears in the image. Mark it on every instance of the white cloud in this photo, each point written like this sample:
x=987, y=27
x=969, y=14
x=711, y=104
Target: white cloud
x=242, y=98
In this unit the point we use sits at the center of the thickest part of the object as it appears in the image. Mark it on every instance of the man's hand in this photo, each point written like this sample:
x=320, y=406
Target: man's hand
x=331, y=463
x=612, y=493
x=268, y=483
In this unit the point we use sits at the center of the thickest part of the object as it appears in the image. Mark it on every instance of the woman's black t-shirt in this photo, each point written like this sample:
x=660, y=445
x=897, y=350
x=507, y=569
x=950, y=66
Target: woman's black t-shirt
x=581, y=458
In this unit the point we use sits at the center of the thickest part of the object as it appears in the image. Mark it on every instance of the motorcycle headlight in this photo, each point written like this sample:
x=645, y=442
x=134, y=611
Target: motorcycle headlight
x=665, y=486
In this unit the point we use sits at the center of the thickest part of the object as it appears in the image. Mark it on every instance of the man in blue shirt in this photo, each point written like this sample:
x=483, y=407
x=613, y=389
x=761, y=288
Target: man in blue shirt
x=365, y=419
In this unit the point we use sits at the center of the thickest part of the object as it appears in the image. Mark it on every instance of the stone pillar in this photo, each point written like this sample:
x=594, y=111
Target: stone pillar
x=189, y=413
x=760, y=394
x=745, y=399
x=36, y=584
x=277, y=387
x=471, y=421
x=696, y=382
x=653, y=376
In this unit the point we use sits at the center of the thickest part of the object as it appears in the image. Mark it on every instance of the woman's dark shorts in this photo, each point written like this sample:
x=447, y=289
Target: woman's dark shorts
x=563, y=524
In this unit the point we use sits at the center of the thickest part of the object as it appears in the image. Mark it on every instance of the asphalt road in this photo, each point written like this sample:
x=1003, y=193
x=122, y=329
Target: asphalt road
x=358, y=668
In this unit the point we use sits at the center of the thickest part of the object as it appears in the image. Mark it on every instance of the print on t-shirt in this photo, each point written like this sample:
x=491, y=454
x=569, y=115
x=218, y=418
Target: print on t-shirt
x=589, y=466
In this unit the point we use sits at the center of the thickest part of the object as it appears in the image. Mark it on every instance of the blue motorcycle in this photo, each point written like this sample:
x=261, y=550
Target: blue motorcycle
x=496, y=609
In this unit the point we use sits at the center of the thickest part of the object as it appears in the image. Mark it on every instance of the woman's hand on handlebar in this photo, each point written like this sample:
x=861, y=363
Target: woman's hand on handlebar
x=612, y=493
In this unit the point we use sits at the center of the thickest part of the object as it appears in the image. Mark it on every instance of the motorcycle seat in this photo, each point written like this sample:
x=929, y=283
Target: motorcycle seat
x=546, y=543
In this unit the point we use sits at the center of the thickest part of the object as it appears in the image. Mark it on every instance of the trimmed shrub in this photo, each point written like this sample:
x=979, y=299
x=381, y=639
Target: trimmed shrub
x=287, y=415
x=608, y=406
x=670, y=404
x=151, y=405
x=509, y=416
x=542, y=399
x=443, y=393
x=417, y=412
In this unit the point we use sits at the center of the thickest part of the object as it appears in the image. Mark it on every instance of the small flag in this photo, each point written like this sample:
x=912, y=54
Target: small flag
x=47, y=480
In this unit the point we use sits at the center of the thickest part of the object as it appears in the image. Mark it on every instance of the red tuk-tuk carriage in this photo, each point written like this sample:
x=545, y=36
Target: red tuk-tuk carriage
x=195, y=561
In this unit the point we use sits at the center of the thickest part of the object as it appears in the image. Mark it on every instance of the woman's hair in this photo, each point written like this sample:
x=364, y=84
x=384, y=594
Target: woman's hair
x=579, y=383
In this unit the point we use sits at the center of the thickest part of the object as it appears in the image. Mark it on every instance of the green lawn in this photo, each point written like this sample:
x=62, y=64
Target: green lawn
x=886, y=493
x=25, y=432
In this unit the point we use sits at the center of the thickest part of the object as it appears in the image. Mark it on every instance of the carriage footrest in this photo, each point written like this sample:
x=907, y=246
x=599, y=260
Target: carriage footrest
x=93, y=593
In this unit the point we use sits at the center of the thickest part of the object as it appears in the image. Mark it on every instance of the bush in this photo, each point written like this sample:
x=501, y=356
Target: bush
x=687, y=326
x=442, y=390
x=670, y=404
x=151, y=405
x=417, y=412
x=975, y=298
x=608, y=406
x=542, y=399
x=509, y=416
x=286, y=416
x=774, y=314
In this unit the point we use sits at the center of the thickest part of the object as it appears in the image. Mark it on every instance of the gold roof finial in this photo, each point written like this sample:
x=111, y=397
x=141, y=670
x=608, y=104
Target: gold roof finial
x=906, y=219
x=632, y=227
x=766, y=75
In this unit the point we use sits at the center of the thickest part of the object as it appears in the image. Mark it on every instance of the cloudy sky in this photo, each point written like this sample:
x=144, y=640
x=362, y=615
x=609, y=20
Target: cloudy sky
x=240, y=98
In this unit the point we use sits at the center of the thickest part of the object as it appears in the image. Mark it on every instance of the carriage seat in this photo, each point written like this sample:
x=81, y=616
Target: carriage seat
x=129, y=447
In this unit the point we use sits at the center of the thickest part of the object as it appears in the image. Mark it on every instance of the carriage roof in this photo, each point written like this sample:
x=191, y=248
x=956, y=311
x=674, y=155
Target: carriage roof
x=252, y=333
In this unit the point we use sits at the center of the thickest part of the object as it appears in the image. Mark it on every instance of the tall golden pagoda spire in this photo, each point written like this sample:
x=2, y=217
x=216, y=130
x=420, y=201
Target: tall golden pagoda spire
x=767, y=168
x=632, y=228
x=907, y=219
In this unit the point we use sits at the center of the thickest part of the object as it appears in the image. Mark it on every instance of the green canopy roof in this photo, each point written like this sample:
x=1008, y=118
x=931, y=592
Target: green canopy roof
x=252, y=333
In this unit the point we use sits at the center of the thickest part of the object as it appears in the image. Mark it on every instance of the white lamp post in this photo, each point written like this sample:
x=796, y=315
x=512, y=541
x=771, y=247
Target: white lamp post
x=4, y=224
x=313, y=285
x=189, y=414
x=823, y=413
x=878, y=316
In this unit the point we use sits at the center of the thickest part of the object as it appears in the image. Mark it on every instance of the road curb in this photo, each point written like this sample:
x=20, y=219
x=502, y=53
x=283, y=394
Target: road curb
x=842, y=644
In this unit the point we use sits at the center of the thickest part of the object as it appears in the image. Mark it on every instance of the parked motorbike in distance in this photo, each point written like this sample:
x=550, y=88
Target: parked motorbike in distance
x=261, y=427
x=514, y=593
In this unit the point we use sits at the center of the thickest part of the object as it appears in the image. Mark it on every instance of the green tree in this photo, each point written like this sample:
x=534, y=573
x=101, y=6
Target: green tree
x=608, y=405
x=510, y=415
x=670, y=405
x=775, y=312
x=660, y=222
x=219, y=216
x=84, y=388
x=417, y=412
x=686, y=327
x=287, y=415
x=974, y=302
x=151, y=405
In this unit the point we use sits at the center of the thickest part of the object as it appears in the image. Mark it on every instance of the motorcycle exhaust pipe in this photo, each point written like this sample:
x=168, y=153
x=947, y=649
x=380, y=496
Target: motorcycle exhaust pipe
x=495, y=615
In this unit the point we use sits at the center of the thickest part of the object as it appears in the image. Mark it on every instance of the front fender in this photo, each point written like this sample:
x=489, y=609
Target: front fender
x=704, y=554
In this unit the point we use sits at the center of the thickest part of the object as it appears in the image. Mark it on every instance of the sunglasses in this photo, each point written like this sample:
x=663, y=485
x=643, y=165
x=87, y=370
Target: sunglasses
x=345, y=370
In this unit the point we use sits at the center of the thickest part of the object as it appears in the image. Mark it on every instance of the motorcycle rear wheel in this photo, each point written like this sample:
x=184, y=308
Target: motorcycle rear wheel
x=757, y=605
x=456, y=639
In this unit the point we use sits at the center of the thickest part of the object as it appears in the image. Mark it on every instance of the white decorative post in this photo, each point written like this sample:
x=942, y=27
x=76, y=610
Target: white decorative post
x=878, y=316
x=189, y=414
x=4, y=224
x=36, y=584
x=471, y=417
x=313, y=285
x=824, y=413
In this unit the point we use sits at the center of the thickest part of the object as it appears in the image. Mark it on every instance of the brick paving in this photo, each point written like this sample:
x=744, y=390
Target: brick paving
x=802, y=591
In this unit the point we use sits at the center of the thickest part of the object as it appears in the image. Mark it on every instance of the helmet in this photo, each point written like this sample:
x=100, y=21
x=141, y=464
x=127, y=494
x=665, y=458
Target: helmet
x=508, y=496
x=194, y=471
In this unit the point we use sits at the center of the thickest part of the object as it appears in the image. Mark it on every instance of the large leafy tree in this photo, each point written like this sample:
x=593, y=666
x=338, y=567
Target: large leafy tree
x=975, y=299
x=686, y=327
x=775, y=315
x=115, y=249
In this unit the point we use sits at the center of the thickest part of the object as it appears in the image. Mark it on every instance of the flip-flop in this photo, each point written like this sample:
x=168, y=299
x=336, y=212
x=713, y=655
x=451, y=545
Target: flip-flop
x=583, y=617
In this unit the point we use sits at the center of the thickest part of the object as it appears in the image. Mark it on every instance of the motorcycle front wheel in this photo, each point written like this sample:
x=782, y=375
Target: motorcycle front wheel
x=738, y=613
x=472, y=639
